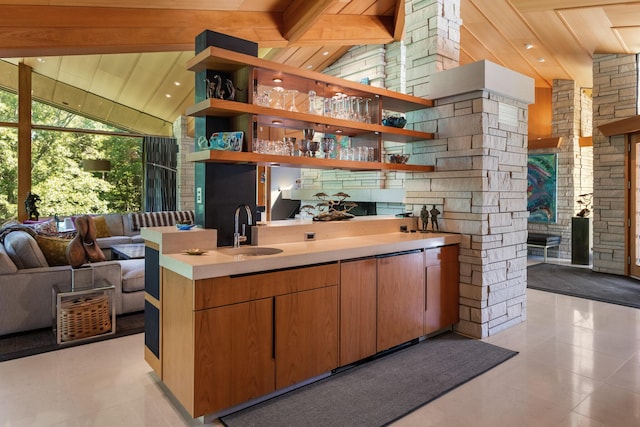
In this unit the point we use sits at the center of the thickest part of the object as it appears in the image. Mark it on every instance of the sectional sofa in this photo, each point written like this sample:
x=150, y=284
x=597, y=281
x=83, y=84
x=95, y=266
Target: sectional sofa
x=28, y=274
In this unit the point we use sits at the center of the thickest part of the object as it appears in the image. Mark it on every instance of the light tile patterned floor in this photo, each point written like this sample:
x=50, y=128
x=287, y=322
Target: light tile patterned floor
x=579, y=365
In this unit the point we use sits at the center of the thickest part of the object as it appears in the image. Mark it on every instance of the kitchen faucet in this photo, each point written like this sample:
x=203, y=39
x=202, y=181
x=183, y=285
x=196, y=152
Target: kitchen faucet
x=237, y=238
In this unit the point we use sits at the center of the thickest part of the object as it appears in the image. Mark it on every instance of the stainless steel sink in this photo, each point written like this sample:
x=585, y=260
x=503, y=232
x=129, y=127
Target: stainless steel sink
x=250, y=251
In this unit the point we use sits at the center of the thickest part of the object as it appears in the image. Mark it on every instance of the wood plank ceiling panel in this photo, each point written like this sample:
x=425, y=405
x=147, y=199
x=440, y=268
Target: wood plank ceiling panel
x=562, y=45
x=482, y=21
x=588, y=26
x=542, y=5
x=146, y=80
x=112, y=74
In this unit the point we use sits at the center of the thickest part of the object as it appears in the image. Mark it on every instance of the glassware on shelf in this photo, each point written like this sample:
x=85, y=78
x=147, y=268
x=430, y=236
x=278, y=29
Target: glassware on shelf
x=366, y=115
x=311, y=96
x=327, y=146
x=303, y=147
x=290, y=144
x=279, y=101
x=292, y=105
x=313, y=147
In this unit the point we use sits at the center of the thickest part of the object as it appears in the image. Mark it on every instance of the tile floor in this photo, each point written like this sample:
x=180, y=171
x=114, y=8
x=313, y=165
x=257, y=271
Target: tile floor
x=579, y=365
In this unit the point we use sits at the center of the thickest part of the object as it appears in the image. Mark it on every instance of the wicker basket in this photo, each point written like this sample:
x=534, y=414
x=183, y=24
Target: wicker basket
x=85, y=316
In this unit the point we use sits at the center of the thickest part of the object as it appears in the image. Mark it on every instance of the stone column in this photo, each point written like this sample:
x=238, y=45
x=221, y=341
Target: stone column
x=615, y=97
x=432, y=41
x=481, y=177
x=185, y=180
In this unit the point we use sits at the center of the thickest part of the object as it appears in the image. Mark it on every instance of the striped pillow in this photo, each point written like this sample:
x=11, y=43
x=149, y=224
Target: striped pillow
x=158, y=219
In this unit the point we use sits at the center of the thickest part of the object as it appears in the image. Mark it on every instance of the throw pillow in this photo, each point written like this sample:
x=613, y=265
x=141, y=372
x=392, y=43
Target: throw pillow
x=24, y=250
x=54, y=249
x=47, y=226
x=102, y=230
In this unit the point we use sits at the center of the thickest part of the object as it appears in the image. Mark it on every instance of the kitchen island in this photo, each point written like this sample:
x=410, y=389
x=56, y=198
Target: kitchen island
x=235, y=329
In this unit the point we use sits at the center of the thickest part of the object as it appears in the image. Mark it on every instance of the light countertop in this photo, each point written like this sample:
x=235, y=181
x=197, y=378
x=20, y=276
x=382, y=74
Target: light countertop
x=214, y=263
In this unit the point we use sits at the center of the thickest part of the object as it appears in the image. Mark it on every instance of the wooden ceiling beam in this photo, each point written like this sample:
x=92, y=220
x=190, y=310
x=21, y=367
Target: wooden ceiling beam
x=301, y=16
x=349, y=30
x=399, y=22
x=52, y=31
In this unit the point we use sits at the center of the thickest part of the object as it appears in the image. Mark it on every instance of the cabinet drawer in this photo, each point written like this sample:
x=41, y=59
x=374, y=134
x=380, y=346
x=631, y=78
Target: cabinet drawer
x=437, y=256
x=221, y=291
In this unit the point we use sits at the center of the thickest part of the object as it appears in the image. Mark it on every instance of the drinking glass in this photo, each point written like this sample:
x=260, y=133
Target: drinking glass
x=303, y=147
x=327, y=146
x=312, y=102
x=292, y=106
x=313, y=147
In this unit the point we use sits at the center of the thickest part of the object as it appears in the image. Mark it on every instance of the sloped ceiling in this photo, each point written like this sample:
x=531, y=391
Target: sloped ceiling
x=123, y=60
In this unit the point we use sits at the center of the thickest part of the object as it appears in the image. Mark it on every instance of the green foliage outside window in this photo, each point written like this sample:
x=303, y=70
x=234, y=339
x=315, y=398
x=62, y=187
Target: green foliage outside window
x=56, y=169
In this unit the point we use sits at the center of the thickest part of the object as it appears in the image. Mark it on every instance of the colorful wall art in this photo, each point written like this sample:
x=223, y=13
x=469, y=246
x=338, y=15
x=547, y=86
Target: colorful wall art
x=542, y=176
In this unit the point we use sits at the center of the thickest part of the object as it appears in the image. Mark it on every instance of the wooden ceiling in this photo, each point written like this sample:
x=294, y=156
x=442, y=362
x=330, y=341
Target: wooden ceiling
x=102, y=57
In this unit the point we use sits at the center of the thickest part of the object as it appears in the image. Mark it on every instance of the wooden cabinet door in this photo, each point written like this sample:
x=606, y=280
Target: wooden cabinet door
x=233, y=355
x=400, y=299
x=306, y=325
x=357, y=310
x=442, y=288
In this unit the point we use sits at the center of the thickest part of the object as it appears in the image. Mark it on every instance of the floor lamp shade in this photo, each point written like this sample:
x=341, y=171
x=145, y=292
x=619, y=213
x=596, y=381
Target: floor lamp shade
x=96, y=165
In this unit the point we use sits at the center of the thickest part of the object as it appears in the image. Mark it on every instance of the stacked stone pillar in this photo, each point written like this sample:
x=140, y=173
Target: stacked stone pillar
x=615, y=97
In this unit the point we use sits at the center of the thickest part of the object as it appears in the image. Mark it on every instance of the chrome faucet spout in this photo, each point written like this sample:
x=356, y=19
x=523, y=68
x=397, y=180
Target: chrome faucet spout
x=237, y=237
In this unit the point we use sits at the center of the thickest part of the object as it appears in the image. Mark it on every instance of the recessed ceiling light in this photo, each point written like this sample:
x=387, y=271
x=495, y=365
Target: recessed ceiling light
x=177, y=83
x=276, y=122
x=338, y=130
x=277, y=80
x=541, y=59
x=309, y=67
x=168, y=95
x=41, y=60
x=528, y=46
x=325, y=53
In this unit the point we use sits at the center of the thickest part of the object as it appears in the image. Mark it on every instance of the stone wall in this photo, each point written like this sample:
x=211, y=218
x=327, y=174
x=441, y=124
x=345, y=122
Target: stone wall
x=575, y=165
x=185, y=179
x=615, y=97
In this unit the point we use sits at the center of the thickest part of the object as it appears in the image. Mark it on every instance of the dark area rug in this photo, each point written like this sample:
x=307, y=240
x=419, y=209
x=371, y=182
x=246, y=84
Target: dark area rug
x=39, y=341
x=584, y=283
x=380, y=391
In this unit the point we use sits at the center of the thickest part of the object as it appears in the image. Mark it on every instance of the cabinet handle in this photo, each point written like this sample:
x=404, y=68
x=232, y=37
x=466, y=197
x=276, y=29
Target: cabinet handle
x=273, y=328
x=426, y=285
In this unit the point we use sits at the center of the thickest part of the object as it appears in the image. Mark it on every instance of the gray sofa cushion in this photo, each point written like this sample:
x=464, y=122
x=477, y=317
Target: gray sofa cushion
x=114, y=224
x=6, y=265
x=132, y=275
x=24, y=250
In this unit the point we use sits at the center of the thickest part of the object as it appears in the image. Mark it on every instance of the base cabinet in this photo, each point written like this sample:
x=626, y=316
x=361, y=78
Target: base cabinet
x=228, y=340
x=306, y=340
x=358, y=296
x=441, y=288
x=400, y=295
x=234, y=353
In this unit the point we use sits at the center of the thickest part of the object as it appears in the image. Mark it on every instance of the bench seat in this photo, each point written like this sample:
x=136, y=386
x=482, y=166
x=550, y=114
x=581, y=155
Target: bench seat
x=544, y=241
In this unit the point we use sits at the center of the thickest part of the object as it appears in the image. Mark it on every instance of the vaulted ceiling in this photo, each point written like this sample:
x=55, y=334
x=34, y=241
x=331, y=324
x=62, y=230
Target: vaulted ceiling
x=123, y=60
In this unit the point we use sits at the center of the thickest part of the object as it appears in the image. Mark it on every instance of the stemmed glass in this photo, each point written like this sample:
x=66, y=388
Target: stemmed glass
x=303, y=147
x=327, y=146
x=280, y=97
x=313, y=147
x=293, y=107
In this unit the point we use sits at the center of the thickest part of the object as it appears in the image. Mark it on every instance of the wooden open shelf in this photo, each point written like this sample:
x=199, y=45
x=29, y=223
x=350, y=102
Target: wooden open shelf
x=217, y=156
x=214, y=58
x=289, y=119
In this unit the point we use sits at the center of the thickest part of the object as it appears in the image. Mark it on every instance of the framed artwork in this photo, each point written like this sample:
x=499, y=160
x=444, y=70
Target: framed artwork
x=542, y=178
